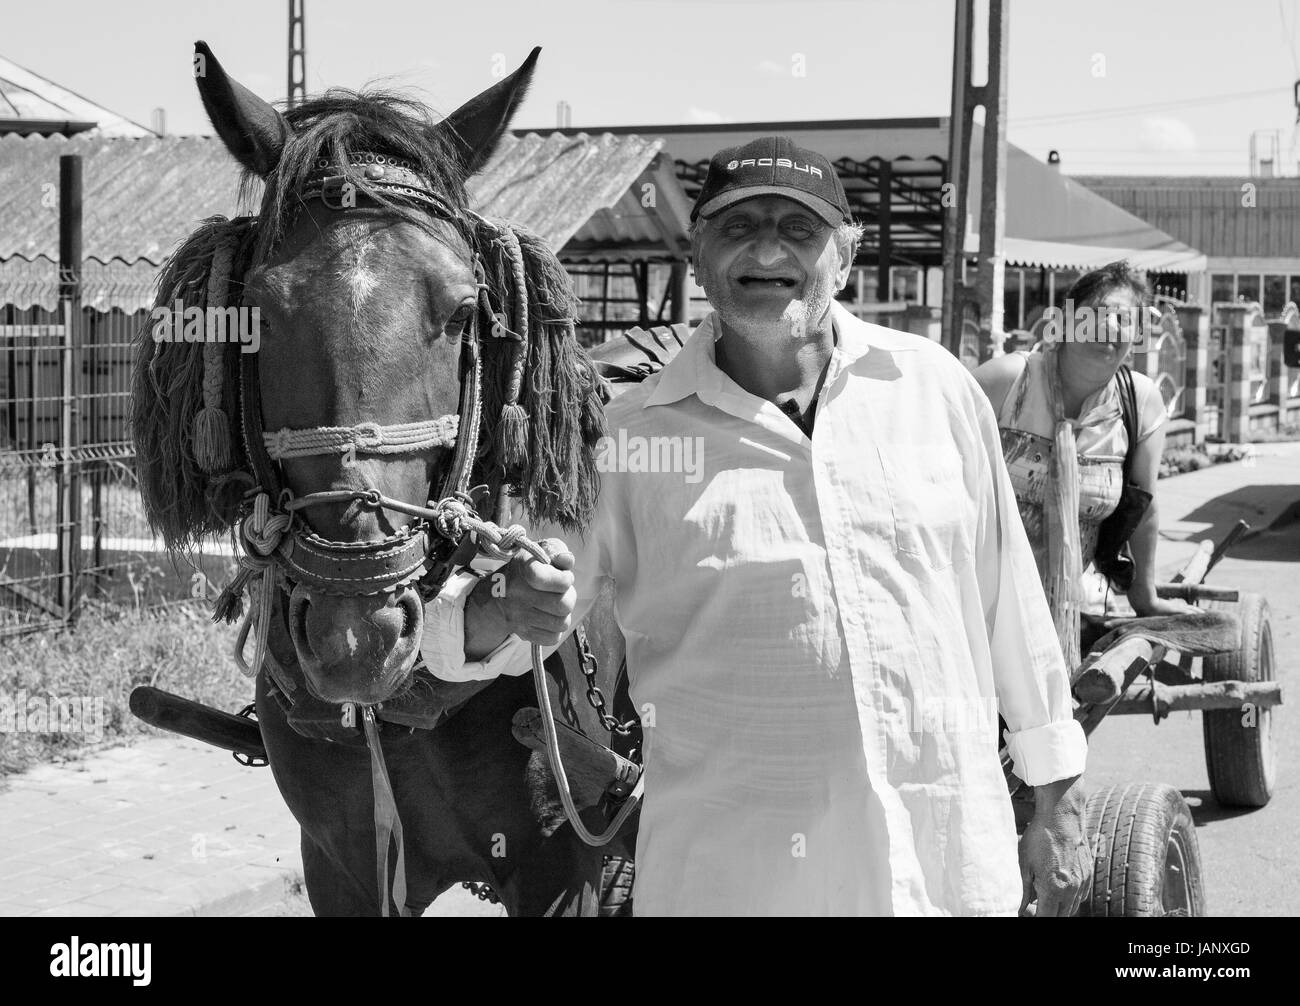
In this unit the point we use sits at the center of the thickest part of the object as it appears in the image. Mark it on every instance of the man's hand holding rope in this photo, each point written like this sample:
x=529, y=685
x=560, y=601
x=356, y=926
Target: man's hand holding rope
x=532, y=600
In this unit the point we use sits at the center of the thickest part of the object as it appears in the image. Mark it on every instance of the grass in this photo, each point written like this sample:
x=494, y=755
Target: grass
x=110, y=651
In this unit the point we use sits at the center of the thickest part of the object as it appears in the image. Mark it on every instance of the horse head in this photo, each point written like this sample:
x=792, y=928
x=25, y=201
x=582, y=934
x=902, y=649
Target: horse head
x=378, y=294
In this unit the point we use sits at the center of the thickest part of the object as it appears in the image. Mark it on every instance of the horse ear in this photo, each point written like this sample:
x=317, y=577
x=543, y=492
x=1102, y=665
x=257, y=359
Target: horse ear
x=251, y=129
x=477, y=126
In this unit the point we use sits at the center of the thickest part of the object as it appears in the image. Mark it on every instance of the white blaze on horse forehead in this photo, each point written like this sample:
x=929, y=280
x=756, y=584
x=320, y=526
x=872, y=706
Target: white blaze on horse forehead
x=352, y=642
x=362, y=280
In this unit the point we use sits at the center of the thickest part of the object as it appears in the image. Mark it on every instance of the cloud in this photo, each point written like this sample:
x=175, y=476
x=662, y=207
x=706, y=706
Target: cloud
x=704, y=116
x=1163, y=134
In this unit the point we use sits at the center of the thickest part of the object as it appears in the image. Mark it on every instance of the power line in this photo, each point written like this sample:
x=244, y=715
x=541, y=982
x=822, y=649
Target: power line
x=1041, y=121
x=1289, y=35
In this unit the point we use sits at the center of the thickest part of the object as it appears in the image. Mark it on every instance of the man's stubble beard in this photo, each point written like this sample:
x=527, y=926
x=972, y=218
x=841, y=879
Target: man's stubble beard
x=799, y=316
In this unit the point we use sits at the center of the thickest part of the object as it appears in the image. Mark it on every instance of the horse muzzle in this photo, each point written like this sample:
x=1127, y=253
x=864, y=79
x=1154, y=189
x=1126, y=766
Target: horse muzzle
x=358, y=648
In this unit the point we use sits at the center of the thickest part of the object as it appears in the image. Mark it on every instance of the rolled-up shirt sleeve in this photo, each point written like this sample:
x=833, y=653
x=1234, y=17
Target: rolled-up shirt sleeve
x=1033, y=685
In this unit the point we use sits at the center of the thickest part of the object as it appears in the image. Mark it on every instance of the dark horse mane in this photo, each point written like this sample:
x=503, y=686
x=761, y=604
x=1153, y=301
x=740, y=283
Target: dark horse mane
x=557, y=480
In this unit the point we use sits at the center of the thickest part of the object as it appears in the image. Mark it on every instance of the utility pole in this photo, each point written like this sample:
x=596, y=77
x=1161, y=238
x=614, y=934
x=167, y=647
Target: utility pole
x=981, y=303
x=297, y=69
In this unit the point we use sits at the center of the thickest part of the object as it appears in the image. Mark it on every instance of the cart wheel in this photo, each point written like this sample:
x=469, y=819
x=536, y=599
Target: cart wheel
x=1240, y=753
x=1146, y=858
x=616, y=888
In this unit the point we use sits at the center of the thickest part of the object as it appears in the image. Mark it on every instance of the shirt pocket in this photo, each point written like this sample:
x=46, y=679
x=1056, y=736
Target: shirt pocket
x=930, y=503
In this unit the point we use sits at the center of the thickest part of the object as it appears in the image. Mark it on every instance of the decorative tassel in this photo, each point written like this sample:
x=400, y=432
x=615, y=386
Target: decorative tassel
x=512, y=437
x=230, y=602
x=212, y=440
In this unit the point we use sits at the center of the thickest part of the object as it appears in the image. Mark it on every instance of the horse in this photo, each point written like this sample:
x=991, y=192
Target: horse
x=408, y=350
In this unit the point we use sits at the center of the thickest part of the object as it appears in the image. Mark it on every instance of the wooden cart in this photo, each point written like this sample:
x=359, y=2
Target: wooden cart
x=1147, y=861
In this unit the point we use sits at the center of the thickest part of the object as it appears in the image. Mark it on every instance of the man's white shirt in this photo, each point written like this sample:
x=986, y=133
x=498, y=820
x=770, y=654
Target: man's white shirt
x=820, y=635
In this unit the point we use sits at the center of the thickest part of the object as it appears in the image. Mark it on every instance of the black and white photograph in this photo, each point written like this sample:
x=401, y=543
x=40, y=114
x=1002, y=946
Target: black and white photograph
x=650, y=458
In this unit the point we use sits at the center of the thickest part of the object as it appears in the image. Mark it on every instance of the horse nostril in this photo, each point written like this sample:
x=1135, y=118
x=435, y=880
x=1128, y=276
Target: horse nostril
x=409, y=602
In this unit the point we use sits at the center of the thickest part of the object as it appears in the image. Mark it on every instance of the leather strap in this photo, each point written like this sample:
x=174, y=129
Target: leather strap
x=357, y=567
x=1128, y=409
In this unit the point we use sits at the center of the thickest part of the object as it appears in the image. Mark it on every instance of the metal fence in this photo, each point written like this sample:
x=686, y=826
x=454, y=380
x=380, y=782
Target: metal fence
x=71, y=521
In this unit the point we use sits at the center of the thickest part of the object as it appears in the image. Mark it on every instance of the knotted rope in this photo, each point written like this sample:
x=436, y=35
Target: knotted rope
x=262, y=532
x=452, y=518
x=371, y=438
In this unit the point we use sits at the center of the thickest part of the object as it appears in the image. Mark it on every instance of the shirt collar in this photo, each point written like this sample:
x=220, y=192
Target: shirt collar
x=694, y=371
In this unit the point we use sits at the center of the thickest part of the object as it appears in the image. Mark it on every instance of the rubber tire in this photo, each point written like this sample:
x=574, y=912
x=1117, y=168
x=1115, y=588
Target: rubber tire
x=1132, y=828
x=616, y=888
x=1241, y=760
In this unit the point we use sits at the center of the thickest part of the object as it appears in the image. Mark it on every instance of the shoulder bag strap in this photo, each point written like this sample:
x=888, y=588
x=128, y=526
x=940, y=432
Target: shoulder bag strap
x=1128, y=406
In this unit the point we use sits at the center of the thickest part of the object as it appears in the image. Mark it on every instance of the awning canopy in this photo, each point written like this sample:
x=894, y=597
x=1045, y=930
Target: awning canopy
x=1051, y=220
x=1056, y=222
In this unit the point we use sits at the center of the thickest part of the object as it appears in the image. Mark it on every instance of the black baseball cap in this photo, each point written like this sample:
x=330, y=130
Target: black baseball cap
x=772, y=166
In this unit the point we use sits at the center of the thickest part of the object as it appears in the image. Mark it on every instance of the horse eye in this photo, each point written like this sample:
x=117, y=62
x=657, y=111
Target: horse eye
x=459, y=321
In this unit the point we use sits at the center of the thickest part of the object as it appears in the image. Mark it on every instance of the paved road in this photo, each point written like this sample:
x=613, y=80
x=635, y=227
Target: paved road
x=1249, y=858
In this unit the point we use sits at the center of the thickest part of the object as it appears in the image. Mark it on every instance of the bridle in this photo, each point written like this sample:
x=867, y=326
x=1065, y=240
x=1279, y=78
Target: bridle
x=280, y=548
x=275, y=537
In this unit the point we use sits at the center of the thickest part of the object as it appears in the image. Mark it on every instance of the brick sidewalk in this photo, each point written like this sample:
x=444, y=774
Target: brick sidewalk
x=165, y=827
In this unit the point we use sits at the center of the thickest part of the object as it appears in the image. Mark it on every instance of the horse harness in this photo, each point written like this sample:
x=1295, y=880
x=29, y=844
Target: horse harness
x=450, y=532
x=275, y=536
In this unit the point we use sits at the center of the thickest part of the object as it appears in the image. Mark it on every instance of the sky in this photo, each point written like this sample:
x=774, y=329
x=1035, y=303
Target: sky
x=1116, y=86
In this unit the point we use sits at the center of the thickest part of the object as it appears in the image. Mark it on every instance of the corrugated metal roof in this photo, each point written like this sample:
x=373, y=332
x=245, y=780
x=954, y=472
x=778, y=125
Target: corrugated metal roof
x=585, y=189
x=1226, y=217
x=27, y=96
x=140, y=197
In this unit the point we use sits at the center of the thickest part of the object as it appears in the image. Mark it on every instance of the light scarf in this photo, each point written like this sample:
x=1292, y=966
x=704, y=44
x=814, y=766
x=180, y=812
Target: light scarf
x=1061, y=508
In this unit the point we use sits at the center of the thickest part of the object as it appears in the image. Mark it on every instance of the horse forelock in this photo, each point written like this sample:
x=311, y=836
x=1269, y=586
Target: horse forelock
x=339, y=123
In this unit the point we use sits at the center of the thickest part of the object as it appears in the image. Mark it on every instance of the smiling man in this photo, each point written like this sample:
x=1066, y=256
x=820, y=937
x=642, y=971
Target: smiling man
x=825, y=623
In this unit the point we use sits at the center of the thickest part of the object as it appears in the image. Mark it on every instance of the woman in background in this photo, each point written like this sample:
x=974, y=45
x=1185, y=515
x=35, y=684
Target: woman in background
x=1065, y=442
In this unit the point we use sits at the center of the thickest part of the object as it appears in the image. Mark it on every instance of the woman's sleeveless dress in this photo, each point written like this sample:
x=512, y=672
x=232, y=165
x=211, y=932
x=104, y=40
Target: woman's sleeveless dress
x=1026, y=425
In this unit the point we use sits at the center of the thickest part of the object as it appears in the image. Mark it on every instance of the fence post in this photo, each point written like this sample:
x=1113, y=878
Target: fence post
x=1195, y=324
x=1236, y=365
x=1279, y=378
x=69, y=477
